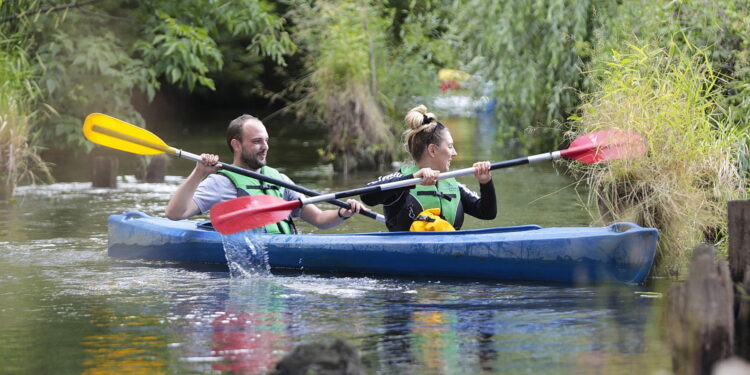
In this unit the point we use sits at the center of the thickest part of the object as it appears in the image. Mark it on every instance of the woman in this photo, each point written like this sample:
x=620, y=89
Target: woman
x=431, y=146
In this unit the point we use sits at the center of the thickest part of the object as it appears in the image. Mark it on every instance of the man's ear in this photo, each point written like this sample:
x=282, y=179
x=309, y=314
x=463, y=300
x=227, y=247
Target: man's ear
x=235, y=144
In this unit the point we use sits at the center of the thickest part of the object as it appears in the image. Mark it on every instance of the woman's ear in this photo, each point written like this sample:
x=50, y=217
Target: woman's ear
x=431, y=149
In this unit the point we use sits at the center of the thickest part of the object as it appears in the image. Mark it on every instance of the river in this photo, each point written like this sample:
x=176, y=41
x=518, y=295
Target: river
x=67, y=308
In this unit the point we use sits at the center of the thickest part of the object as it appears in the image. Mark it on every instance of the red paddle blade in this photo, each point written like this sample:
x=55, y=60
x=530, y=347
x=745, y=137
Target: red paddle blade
x=250, y=212
x=604, y=145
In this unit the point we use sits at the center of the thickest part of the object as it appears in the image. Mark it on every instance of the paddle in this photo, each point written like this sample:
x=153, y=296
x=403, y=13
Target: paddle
x=117, y=134
x=252, y=212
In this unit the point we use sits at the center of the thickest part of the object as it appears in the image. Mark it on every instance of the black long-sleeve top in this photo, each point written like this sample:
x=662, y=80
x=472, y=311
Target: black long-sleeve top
x=398, y=203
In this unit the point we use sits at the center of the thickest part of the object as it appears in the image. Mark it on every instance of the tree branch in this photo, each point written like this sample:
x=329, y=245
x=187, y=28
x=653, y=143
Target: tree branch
x=48, y=10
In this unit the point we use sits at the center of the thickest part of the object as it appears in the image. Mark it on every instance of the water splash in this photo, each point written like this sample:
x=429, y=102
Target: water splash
x=246, y=258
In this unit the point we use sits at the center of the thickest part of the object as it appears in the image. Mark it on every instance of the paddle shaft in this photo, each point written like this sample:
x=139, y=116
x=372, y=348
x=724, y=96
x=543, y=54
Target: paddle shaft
x=548, y=156
x=196, y=158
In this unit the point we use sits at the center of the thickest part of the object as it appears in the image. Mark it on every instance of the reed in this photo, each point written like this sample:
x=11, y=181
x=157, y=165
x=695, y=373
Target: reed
x=343, y=43
x=670, y=96
x=19, y=158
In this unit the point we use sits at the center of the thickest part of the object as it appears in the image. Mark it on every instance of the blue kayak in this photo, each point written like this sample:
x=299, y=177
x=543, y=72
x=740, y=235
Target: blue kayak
x=619, y=253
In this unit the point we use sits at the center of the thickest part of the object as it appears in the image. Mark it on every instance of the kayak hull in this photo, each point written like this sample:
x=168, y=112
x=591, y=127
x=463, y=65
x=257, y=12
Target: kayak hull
x=619, y=253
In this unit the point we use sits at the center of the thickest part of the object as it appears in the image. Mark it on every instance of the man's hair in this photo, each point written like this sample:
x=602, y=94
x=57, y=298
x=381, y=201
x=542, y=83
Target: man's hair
x=234, y=130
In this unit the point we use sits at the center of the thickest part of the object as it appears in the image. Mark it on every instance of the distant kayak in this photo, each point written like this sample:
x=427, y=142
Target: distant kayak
x=618, y=253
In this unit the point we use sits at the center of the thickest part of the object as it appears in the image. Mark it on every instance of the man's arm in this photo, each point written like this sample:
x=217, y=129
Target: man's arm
x=182, y=206
x=329, y=218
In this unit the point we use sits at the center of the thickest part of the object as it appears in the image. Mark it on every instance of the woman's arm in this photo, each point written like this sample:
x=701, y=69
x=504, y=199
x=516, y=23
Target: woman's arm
x=482, y=207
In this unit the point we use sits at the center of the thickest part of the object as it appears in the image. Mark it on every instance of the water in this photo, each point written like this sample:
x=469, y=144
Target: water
x=66, y=307
x=245, y=258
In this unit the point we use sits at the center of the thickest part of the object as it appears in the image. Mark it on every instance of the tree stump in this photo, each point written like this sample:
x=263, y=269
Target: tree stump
x=700, y=319
x=104, y=172
x=153, y=171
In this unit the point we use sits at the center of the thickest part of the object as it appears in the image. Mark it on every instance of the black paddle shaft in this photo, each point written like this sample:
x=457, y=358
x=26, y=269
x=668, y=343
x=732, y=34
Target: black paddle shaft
x=301, y=189
x=410, y=180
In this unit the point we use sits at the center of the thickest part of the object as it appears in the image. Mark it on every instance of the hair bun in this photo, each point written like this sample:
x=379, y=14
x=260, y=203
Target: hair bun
x=418, y=117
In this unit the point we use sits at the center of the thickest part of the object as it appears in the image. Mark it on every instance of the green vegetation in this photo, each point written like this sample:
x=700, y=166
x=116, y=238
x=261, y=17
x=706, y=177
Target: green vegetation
x=341, y=87
x=680, y=74
x=720, y=29
x=670, y=97
x=94, y=56
x=361, y=60
x=533, y=52
x=19, y=158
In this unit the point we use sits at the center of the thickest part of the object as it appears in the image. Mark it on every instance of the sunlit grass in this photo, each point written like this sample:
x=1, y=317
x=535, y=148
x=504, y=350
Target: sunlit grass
x=19, y=160
x=682, y=187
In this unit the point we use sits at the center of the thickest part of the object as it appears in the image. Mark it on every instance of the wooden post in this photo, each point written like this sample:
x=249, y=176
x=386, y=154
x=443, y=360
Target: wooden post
x=700, y=320
x=739, y=238
x=739, y=263
x=742, y=318
x=155, y=171
x=104, y=172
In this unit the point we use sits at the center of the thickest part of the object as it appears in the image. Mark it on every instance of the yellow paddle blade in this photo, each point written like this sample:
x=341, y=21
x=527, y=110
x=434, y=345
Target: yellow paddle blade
x=113, y=133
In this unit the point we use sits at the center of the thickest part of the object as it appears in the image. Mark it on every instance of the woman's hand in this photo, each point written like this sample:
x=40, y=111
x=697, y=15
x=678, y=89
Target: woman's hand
x=482, y=171
x=356, y=206
x=429, y=176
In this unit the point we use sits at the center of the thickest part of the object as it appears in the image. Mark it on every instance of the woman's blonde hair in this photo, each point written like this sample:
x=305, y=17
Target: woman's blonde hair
x=422, y=130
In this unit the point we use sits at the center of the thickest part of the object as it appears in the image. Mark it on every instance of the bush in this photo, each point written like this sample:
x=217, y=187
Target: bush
x=341, y=87
x=670, y=96
x=19, y=160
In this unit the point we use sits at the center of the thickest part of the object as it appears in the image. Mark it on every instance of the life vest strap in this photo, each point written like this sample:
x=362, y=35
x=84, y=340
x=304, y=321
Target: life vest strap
x=438, y=194
x=262, y=187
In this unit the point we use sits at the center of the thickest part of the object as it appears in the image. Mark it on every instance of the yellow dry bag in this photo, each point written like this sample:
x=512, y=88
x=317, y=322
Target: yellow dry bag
x=430, y=221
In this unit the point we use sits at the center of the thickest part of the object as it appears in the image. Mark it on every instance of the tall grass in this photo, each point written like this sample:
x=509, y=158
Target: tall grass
x=342, y=40
x=671, y=97
x=19, y=158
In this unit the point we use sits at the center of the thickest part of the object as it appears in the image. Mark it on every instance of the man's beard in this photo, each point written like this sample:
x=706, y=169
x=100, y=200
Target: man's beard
x=252, y=163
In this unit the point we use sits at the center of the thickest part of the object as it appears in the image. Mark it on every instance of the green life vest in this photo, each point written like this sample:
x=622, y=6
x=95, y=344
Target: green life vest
x=445, y=195
x=250, y=186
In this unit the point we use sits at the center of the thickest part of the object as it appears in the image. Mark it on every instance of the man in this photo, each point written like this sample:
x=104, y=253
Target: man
x=248, y=139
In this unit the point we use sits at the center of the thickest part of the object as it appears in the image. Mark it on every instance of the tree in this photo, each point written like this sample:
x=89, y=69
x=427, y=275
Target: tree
x=92, y=56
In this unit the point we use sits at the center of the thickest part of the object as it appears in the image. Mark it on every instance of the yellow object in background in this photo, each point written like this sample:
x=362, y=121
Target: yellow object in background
x=452, y=75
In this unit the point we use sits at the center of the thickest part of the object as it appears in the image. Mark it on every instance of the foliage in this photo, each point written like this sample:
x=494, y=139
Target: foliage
x=341, y=41
x=721, y=28
x=94, y=57
x=367, y=61
x=19, y=158
x=418, y=47
x=532, y=51
x=682, y=187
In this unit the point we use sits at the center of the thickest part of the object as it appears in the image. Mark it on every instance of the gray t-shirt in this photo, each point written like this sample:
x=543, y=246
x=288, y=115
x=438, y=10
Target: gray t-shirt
x=219, y=188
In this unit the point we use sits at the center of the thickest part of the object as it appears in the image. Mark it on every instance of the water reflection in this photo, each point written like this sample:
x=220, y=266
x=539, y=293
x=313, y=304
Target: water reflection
x=123, y=348
x=251, y=335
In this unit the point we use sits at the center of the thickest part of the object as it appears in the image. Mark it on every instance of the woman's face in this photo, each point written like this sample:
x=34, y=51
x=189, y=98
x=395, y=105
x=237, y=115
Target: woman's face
x=443, y=153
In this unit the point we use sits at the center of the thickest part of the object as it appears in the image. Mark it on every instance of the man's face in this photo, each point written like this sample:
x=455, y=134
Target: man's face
x=254, y=145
